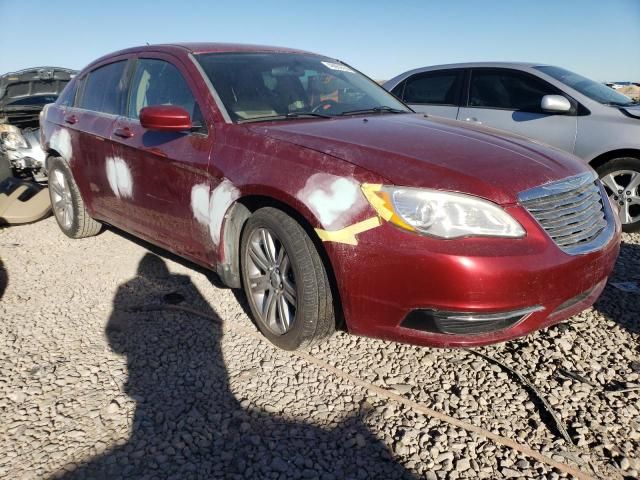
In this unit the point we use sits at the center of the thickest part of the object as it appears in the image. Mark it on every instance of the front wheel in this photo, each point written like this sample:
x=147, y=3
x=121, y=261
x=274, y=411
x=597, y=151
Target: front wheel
x=621, y=178
x=285, y=281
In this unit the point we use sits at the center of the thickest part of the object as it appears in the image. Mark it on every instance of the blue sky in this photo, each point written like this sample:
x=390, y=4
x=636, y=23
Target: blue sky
x=598, y=38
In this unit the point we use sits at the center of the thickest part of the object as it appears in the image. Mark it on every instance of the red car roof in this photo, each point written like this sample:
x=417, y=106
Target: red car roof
x=197, y=47
x=211, y=47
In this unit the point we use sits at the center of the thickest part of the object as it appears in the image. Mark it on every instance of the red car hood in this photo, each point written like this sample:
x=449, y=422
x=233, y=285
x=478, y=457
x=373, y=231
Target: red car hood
x=411, y=150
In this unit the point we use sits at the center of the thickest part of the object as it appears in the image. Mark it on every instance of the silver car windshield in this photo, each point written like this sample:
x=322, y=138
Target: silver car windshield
x=276, y=86
x=590, y=88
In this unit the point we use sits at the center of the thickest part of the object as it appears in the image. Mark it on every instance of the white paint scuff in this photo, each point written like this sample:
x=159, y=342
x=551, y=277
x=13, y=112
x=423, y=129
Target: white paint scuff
x=210, y=206
x=119, y=177
x=200, y=203
x=330, y=198
x=61, y=143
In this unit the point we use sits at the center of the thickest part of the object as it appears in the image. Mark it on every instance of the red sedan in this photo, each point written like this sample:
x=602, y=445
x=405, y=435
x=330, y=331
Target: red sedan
x=325, y=198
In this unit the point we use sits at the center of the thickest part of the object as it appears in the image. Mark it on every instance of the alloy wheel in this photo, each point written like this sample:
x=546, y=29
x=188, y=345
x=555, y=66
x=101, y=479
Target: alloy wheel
x=61, y=199
x=271, y=281
x=623, y=187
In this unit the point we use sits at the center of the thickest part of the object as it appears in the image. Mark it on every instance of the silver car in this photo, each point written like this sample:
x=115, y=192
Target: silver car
x=545, y=103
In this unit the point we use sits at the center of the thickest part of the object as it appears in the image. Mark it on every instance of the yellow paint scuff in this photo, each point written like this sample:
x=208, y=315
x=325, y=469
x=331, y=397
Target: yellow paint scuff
x=370, y=191
x=348, y=234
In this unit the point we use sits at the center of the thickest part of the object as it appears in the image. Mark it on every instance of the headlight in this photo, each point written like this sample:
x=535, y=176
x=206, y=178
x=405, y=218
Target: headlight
x=13, y=140
x=441, y=214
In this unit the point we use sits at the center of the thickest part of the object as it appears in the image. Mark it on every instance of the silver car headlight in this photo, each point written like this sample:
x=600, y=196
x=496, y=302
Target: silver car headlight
x=442, y=214
x=13, y=140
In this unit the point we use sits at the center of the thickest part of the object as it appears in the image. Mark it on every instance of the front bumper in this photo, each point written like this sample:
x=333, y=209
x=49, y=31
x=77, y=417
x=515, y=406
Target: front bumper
x=391, y=274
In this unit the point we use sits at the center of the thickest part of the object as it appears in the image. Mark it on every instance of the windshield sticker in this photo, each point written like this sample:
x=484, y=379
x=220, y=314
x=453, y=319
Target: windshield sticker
x=337, y=66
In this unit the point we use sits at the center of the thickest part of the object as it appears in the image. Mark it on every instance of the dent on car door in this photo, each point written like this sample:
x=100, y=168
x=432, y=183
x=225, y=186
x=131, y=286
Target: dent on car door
x=154, y=172
x=436, y=93
x=98, y=103
x=511, y=100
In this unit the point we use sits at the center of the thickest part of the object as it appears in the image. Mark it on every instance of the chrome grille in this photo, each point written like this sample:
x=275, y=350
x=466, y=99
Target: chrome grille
x=572, y=211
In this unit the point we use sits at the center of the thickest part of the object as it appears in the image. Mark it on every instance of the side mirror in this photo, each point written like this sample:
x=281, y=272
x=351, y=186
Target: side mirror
x=165, y=118
x=555, y=103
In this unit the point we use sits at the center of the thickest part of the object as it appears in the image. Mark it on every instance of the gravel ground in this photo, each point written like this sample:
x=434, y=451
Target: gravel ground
x=101, y=376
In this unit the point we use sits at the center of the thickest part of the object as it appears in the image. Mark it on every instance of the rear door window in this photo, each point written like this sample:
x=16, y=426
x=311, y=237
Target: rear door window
x=158, y=82
x=434, y=88
x=104, y=88
x=507, y=89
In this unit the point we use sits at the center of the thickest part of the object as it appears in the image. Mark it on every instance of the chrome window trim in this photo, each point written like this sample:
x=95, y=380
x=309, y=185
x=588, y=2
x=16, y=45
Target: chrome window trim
x=95, y=112
x=214, y=93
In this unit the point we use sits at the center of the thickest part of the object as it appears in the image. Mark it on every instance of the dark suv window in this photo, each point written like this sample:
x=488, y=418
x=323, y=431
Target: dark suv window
x=156, y=82
x=103, y=88
x=437, y=88
x=507, y=89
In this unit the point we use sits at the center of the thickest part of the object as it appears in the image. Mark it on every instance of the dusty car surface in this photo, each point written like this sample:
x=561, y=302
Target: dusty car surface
x=23, y=95
x=305, y=183
x=545, y=103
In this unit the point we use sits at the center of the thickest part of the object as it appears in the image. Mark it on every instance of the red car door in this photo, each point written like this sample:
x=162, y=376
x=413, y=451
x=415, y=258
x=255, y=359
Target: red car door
x=153, y=173
x=100, y=101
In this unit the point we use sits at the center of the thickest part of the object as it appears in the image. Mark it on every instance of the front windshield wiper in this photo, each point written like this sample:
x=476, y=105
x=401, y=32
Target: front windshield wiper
x=285, y=116
x=381, y=109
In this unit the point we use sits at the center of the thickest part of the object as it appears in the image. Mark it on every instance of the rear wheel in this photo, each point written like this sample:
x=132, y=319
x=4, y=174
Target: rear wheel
x=67, y=204
x=621, y=178
x=285, y=281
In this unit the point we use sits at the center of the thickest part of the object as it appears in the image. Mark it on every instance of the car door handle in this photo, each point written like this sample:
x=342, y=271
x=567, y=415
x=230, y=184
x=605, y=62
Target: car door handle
x=123, y=132
x=71, y=119
x=473, y=120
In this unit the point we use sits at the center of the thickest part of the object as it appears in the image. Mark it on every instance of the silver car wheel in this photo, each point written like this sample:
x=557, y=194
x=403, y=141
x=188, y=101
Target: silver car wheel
x=61, y=199
x=271, y=281
x=623, y=187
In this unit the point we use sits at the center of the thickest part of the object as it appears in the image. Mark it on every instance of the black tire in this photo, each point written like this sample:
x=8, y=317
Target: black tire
x=617, y=165
x=314, y=318
x=81, y=224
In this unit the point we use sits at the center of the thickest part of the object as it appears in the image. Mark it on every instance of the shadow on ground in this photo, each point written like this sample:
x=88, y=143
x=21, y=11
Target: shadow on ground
x=211, y=276
x=167, y=255
x=4, y=279
x=615, y=304
x=188, y=424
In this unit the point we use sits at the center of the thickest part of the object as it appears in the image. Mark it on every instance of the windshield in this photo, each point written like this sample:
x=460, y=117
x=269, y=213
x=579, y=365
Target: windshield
x=594, y=90
x=265, y=86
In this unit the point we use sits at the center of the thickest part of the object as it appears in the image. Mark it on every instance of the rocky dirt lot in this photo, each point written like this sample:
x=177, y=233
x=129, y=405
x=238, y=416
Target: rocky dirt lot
x=116, y=362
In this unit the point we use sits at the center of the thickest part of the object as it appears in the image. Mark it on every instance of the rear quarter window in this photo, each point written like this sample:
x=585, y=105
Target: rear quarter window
x=104, y=88
x=68, y=96
x=437, y=88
